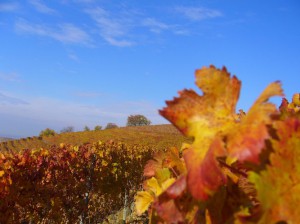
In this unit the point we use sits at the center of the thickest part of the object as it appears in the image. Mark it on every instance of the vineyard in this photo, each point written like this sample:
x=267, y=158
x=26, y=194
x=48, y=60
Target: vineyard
x=159, y=136
x=223, y=168
x=240, y=169
x=77, y=177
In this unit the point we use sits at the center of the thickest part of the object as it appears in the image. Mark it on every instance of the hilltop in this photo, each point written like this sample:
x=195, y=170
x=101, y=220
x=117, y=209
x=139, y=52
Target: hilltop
x=2, y=139
x=157, y=136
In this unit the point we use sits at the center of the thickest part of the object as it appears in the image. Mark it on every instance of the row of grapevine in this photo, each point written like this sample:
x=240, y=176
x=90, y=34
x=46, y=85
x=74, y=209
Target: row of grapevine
x=240, y=169
x=159, y=136
x=69, y=184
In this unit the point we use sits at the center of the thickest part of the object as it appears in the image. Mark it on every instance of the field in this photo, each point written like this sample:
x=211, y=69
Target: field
x=62, y=169
x=157, y=136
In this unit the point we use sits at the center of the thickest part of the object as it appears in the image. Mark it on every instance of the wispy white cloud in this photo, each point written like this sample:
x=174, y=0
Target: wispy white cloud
x=122, y=29
x=119, y=43
x=10, y=77
x=41, y=7
x=112, y=29
x=66, y=32
x=11, y=100
x=197, y=13
x=9, y=7
x=155, y=25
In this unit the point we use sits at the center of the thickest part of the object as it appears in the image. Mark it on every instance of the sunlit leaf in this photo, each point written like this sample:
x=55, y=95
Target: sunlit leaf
x=153, y=186
x=162, y=175
x=246, y=140
x=211, y=118
x=278, y=187
x=143, y=199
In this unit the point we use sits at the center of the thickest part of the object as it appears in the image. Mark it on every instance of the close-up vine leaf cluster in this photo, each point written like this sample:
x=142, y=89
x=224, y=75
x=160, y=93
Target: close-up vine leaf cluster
x=240, y=168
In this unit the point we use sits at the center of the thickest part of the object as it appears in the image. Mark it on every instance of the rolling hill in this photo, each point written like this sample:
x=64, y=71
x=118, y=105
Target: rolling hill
x=157, y=136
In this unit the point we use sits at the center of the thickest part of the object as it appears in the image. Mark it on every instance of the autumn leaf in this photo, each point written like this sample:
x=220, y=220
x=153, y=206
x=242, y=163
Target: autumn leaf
x=210, y=118
x=169, y=212
x=246, y=140
x=153, y=165
x=143, y=199
x=278, y=187
x=296, y=99
x=291, y=108
x=153, y=188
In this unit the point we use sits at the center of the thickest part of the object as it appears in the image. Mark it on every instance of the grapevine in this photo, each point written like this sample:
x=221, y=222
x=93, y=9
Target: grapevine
x=240, y=168
x=67, y=183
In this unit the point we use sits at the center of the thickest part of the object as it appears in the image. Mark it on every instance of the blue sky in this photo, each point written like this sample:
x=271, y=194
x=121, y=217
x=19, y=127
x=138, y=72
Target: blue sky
x=84, y=62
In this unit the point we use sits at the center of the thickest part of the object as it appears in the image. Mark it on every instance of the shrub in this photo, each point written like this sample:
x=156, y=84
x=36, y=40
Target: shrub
x=86, y=128
x=47, y=132
x=137, y=120
x=67, y=129
x=111, y=125
x=98, y=128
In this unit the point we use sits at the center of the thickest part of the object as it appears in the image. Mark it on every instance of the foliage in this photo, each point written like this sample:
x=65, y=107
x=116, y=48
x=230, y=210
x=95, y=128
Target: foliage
x=67, y=129
x=140, y=143
x=158, y=136
x=98, y=128
x=137, y=120
x=111, y=126
x=63, y=183
x=226, y=174
x=47, y=132
x=86, y=128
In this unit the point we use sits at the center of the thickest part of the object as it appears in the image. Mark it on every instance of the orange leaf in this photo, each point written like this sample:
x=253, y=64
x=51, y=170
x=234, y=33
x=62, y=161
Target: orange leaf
x=211, y=117
x=246, y=141
x=278, y=188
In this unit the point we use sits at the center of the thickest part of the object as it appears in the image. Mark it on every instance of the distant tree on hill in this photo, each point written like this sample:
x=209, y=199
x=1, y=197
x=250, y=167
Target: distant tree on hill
x=137, y=120
x=47, y=132
x=111, y=125
x=86, y=128
x=67, y=129
x=98, y=128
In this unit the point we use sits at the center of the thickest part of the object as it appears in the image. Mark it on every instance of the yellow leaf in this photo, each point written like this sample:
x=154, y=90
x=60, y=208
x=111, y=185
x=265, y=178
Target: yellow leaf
x=296, y=99
x=162, y=174
x=143, y=199
x=278, y=189
x=104, y=163
x=167, y=183
x=76, y=148
x=1, y=173
x=101, y=154
x=44, y=152
x=153, y=185
x=207, y=217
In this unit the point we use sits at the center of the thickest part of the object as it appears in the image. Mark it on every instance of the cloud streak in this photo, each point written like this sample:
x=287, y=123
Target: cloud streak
x=65, y=32
x=197, y=13
x=155, y=25
x=9, y=7
x=41, y=7
x=10, y=100
x=112, y=29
